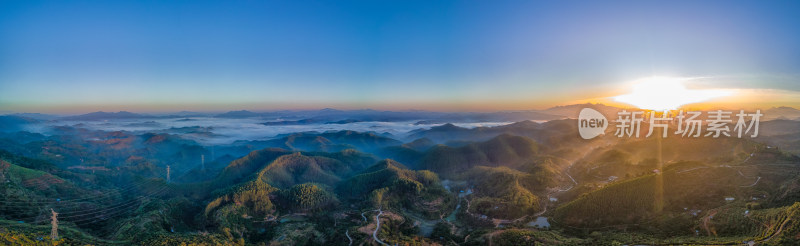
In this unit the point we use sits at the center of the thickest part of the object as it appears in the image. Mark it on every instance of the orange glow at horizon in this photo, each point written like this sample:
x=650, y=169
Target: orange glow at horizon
x=664, y=93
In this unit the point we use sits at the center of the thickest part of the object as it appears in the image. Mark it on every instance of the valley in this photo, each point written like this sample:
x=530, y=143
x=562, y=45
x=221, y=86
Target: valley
x=499, y=183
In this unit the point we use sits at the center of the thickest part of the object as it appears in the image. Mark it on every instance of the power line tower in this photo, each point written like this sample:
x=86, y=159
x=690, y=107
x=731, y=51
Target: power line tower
x=167, y=174
x=203, y=162
x=54, y=224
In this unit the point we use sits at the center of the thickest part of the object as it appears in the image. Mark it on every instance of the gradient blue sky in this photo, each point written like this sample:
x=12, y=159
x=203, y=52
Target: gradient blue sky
x=79, y=56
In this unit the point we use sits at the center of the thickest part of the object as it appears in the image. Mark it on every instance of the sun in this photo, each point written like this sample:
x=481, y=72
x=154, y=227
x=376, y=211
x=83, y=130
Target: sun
x=666, y=93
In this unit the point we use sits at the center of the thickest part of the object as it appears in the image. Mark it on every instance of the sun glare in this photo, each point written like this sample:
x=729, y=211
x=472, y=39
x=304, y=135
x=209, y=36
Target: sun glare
x=664, y=93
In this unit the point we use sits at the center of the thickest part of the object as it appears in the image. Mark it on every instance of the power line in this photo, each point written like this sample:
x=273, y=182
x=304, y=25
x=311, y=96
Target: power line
x=121, y=205
x=130, y=186
x=104, y=194
x=79, y=213
x=111, y=211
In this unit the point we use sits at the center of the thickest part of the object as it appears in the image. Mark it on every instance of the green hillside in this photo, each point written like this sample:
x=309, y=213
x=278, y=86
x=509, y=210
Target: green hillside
x=501, y=192
x=390, y=184
x=689, y=192
x=296, y=168
x=503, y=150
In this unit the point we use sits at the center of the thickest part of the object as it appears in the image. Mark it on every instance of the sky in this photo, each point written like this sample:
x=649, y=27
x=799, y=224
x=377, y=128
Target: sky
x=152, y=56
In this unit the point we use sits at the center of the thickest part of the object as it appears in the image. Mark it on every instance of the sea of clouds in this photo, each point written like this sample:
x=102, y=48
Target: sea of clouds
x=215, y=131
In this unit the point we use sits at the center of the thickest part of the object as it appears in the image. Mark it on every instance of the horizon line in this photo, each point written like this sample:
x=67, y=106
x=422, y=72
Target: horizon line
x=222, y=111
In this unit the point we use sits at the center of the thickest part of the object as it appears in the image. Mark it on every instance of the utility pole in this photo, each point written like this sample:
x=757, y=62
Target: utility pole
x=167, y=174
x=54, y=224
x=659, y=193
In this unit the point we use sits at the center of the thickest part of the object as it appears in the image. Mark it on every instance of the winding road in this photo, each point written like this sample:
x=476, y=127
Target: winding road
x=378, y=227
x=566, y=171
x=758, y=178
x=778, y=231
x=706, y=220
x=754, y=183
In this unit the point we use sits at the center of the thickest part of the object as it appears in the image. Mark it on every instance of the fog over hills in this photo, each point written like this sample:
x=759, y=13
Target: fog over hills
x=321, y=176
x=378, y=123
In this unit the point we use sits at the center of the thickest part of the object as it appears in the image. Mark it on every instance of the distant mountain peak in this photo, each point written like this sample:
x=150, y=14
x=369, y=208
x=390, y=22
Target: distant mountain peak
x=523, y=124
x=447, y=126
x=582, y=105
x=101, y=115
x=238, y=114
